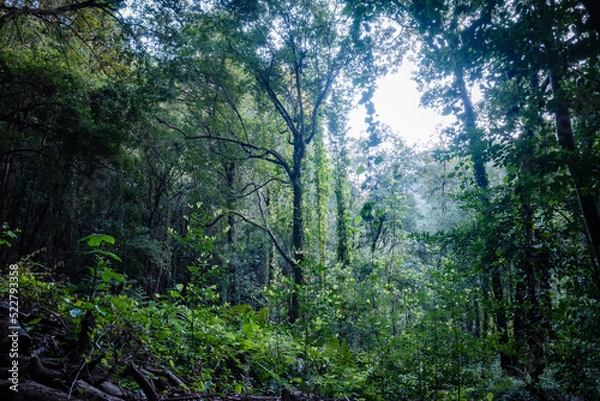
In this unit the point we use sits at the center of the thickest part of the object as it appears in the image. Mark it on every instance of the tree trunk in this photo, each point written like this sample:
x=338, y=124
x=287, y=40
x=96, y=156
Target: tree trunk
x=566, y=140
x=297, y=228
x=528, y=326
x=338, y=139
x=230, y=173
x=5, y=189
x=342, y=248
x=476, y=148
x=476, y=145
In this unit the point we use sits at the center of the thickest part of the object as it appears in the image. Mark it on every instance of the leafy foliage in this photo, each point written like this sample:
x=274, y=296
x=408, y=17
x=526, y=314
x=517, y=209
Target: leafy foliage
x=254, y=245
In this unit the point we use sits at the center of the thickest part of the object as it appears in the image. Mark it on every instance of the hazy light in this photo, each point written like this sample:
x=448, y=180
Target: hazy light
x=397, y=105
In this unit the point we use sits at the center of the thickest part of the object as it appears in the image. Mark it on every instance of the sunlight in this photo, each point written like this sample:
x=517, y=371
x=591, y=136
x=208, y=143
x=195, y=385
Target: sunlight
x=397, y=103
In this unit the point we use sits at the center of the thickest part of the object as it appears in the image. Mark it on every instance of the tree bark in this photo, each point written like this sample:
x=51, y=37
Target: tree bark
x=297, y=231
x=476, y=145
x=32, y=391
x=528, y=316
x=566, y=140
x=144, y=383
x=476, y=151
x=95, y=393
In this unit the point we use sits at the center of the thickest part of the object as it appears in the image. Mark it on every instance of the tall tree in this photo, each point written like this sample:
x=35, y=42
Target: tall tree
x=337, y=126
x=295, y=53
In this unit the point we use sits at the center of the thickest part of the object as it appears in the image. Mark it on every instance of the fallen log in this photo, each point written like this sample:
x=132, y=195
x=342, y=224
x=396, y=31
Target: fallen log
x=33, y=391
x=172, y=377
x=112, y=389
x=144, y=383
x=88, y=391
x=42, y=374
x=293, y=395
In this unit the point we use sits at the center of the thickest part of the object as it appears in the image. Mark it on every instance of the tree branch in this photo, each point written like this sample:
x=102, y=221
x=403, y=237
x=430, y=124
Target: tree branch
x=289, y=121
x=269, y=233
x=269, y=155
x=257, y=187
x=11, y=13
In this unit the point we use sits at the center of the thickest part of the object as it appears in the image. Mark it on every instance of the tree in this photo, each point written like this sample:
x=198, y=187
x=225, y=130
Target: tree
x=339, y=148
x=295, y=52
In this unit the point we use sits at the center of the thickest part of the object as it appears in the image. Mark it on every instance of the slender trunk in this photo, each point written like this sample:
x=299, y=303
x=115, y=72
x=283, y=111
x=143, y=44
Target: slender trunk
x=232, y=271
x=5, y=185
x=476, y=145
x=529, y=324
x=230, y=169
x=566, y=140
x=476, y=150
x=477, y=320
x=507, y=362
x=5, y=188
x=530, y=306
x=297, y=228
x=341, y=199
x=520, y=314
x=321, y=198
x=342, y=225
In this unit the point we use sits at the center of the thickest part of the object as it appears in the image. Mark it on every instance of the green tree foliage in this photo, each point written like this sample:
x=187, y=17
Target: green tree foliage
x=254, y=244
x=67, y=100
x=269, y=68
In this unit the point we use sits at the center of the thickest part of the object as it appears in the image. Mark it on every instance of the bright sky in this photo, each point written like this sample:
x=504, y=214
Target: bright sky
x=397, y=105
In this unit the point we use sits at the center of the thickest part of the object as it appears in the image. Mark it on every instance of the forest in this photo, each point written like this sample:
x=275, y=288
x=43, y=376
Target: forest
x=187, y=212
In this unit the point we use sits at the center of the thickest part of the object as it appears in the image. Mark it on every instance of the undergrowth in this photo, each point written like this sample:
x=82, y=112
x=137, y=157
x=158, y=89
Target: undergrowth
x=215, y=348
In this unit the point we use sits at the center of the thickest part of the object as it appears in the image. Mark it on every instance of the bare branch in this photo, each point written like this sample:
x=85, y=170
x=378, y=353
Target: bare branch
x=278, y=105
x=269, y=155
x=269, y=233
x=256, y=187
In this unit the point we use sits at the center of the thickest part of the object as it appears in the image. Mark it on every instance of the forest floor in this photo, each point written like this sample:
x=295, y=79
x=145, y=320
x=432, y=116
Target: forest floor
x=48, y=362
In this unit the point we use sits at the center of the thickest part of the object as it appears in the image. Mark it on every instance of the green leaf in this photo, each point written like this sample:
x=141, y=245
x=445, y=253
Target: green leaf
x=249, y=329
x=108, y=275
x=109, y=254
x=379, y=160
x=490, y=396
x=367, y=211
x=361, y=169
x=95, y=240
x=76, y=312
